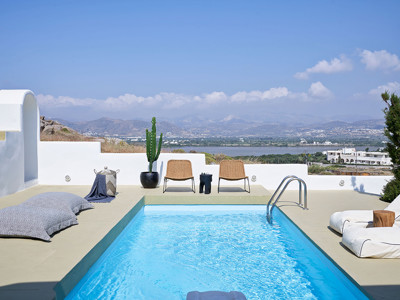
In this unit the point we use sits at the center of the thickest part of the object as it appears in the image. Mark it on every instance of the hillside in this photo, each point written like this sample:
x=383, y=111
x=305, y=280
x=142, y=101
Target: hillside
x=51, y=130
x=131, y=128
x=230, y=128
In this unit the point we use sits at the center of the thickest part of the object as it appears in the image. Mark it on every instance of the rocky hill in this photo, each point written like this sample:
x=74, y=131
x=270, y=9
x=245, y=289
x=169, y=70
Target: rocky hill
x=51, y=130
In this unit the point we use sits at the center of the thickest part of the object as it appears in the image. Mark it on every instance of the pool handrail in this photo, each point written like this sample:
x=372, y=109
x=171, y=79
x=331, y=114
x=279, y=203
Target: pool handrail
x=288, y=179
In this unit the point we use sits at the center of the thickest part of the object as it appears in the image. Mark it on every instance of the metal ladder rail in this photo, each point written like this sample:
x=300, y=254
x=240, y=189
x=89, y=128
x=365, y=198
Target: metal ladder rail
x=291, y=178
x=277, y=190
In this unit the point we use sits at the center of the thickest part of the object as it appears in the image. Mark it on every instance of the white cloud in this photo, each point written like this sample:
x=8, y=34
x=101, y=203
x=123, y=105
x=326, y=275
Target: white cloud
x=174, y=105
x=63, y=101
x=275, y=93
x=380, y=60
x=214, y=97
x=318, y=90
x=391, y=87
x=336, y=65
x=128, y=100
x=270, y=94
x=173, y=101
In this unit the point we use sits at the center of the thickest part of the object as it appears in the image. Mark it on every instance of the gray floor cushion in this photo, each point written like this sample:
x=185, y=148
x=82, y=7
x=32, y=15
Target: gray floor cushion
x=35, y=222
x=215, y=295
x=59, y=200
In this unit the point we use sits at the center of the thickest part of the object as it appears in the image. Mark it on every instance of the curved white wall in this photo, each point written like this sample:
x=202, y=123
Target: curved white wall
x=19, y=117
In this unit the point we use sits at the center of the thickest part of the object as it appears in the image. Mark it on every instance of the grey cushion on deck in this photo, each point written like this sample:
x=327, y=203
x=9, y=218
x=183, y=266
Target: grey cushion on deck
x=59, y=200
x=215, y=295
x=35, y=222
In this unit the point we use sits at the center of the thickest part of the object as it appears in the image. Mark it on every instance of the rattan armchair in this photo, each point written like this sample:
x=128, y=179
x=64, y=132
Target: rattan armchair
x=232, y=170
x=179, y=170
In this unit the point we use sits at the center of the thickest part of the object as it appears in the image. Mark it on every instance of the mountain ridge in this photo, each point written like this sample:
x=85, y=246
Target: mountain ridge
x=227, y=128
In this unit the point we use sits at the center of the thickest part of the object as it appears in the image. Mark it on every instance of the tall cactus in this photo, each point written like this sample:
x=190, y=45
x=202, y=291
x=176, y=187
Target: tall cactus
x=152, y=151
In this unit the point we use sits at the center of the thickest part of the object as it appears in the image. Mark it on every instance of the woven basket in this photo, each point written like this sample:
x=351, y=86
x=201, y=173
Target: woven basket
x=111, y=180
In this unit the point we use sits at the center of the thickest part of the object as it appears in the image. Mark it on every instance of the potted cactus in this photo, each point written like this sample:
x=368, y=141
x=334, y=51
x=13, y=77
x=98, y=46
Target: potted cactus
x=150, y=179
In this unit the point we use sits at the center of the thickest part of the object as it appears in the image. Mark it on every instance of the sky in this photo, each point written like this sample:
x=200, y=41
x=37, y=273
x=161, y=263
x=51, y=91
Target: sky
x=264, y=61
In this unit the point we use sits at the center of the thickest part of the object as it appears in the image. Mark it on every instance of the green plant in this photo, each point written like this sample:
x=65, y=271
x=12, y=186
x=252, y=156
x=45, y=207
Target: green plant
x=152, y=151
x=391, y=190
x=178, y=151
x=392, y=132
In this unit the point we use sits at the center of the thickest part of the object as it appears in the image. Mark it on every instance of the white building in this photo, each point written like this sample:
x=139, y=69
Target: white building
x=352, y=156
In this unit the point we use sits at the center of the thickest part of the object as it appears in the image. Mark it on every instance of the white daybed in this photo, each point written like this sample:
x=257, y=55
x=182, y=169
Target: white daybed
x=377, y=242
x=339, y=221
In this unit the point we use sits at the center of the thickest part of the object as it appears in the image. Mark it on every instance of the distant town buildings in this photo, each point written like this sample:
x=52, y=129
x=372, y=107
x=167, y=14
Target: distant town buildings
x=352, y=156
x=304, y=142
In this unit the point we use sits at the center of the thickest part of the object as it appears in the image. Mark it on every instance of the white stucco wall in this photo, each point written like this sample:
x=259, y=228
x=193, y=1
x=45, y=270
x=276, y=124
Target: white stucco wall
x=12, y=163
x=78, y=159
x=364, y=184
x=19, y=117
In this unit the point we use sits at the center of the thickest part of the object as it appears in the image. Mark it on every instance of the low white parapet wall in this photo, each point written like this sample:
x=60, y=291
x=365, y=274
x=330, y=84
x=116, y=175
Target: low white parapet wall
x=78, y=159
x=363, y=184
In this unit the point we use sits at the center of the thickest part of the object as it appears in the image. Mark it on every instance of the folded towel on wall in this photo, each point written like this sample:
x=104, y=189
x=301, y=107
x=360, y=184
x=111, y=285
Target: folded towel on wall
x=215, y=295
x=98, y=193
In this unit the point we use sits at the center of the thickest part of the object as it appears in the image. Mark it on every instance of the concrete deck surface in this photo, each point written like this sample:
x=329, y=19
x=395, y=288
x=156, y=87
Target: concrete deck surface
x=30, y=268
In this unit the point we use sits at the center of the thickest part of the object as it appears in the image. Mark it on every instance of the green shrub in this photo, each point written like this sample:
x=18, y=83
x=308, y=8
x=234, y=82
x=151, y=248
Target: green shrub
x=392, y=132
x=178, y=151
x=391, y=190
x=315, y=169
x=210, y=160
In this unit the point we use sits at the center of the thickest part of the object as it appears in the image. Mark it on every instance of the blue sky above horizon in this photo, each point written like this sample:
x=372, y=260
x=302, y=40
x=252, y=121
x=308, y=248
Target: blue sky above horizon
x=270, y=61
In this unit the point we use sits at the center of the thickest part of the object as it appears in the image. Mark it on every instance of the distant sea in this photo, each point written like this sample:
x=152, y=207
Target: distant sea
x=257, y=151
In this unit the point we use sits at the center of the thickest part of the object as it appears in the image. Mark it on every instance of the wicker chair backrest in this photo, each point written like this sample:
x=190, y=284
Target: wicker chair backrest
x=232, y=169
x=179, y=169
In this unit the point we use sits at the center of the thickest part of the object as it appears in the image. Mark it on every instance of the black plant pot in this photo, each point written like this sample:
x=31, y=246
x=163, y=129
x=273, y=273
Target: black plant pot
x=149, y=180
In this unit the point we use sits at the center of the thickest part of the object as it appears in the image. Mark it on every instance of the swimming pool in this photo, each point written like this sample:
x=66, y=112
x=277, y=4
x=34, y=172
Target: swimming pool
x=167, y=251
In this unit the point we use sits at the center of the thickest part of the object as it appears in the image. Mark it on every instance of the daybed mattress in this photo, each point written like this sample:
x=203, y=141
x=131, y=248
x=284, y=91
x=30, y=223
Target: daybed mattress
x=377, y=242
x=340, y=221
x=358, y=218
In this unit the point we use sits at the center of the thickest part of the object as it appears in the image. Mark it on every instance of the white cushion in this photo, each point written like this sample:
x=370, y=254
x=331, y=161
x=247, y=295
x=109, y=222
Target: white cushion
x=339, y=221
x=376, y=242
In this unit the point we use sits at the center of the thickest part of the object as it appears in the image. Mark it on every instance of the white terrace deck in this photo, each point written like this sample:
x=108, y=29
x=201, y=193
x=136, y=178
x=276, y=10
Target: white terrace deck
x=30, y=269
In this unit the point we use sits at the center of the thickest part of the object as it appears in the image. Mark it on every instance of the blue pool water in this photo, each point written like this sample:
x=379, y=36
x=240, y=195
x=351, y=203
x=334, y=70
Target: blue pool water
x=167, y=251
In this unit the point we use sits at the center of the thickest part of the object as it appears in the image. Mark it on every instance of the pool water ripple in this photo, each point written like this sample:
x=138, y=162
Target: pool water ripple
x=164, y=256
